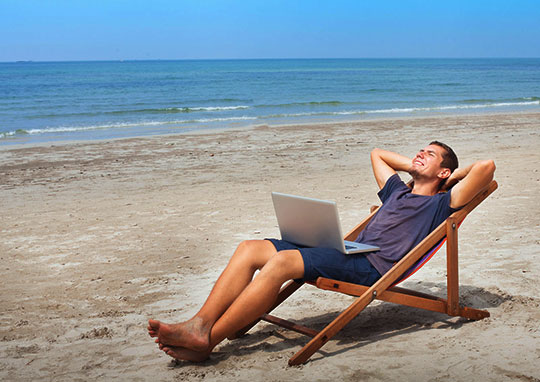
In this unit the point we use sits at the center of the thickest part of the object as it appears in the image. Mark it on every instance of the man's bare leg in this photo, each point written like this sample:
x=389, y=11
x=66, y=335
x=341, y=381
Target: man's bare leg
x=259, y=295
x=194, y=333
x=254, y=300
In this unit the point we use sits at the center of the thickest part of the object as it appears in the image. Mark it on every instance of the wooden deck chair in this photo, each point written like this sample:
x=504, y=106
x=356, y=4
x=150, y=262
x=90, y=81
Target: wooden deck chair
x=385, y=289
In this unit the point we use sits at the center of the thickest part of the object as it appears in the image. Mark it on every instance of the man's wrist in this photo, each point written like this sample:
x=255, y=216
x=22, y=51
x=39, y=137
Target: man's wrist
x=461, y=173
x=458, y=174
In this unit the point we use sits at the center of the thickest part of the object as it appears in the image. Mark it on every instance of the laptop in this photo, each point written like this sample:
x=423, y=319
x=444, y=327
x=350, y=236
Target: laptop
x=313, y=223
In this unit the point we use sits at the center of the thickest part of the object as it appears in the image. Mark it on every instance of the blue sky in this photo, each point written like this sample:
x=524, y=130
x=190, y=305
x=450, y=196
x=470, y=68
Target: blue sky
x=47, y=30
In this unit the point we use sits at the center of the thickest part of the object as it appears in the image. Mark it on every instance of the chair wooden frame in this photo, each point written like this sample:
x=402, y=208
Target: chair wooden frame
x=383, y=289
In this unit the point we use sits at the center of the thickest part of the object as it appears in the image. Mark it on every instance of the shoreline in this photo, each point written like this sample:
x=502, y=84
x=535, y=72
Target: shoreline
x=219, y=130
x=98, y=237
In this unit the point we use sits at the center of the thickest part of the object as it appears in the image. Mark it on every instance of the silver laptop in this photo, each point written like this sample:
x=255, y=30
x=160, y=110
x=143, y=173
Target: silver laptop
x=313, y=223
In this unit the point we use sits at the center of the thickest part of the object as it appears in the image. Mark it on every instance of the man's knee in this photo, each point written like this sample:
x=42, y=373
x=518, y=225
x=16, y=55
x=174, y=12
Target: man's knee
x=250, y=246
x=256, y=252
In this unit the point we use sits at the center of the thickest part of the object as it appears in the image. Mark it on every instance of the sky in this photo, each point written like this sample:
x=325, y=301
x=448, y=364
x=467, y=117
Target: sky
x=72, y=30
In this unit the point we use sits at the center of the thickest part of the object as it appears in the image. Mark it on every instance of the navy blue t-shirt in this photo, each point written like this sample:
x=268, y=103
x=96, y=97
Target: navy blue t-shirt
x=403, y=221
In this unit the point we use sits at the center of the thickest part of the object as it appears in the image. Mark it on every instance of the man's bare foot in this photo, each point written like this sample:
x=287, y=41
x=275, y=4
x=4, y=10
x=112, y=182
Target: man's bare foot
x=191, y=334
x=184, y=354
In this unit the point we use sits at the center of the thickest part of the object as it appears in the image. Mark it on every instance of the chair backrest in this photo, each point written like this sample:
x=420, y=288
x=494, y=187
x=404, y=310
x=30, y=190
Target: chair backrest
x=423, y=260
x=462, y=213
x=420, y=263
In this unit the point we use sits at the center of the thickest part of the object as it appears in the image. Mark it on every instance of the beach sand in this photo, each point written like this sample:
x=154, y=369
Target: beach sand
x=97, y=237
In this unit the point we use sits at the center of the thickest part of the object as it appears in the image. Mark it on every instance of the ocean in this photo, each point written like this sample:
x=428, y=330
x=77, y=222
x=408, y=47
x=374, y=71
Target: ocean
x=63, y=101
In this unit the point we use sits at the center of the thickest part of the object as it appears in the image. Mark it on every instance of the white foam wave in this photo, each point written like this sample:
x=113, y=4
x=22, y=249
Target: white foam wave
x=414, y=109
x=454, y=107
x=205, y=120
x=403, y=110
x=72, y=129
x=210, y=108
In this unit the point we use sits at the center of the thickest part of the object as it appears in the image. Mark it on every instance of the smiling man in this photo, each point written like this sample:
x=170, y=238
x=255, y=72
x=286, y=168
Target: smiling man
x=408, y=214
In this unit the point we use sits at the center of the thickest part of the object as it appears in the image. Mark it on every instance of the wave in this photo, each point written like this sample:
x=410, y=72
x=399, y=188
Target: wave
x=185, y=109
x=309, y=103
x=13, y=133
x=448, y=107
x=498, y=101
x=74, y=129
x=478, y=100
x=216, y=100
x=405, y=110
x=164, y=110
x=469, y=103
x=211, y=108
x=207, y=120
x=525, y=101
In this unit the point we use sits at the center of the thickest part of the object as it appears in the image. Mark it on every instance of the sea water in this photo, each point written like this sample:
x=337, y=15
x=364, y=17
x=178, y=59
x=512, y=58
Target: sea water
x=58, y=101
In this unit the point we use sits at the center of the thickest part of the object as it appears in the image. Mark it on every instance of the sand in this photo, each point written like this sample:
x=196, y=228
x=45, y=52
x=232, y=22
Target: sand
x=97, y=237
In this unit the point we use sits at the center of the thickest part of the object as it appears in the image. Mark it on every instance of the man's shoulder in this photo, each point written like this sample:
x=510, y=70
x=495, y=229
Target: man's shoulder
x=392, y=185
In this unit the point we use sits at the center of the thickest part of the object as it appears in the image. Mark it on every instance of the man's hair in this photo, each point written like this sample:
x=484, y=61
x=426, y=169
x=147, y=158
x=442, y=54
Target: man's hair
x=449, y=156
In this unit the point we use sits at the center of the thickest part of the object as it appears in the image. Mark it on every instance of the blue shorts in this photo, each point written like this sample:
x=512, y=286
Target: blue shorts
x=332, y=264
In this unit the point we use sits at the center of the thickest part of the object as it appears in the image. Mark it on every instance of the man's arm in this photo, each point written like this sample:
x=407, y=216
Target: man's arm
x=470, y=181
x=387, y=163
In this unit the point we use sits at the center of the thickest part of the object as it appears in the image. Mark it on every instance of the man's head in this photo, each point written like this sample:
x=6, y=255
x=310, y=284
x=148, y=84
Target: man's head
x=450, y=159
x=435, y=162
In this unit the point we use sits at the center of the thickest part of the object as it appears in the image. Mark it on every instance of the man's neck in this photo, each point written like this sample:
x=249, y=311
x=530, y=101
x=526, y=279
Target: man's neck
x=425, y=188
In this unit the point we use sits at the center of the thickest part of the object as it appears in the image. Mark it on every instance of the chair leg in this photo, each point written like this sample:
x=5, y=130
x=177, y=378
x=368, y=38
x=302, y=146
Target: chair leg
x=289, y=325
x=284, y=293
x=331, y=329
x=452, y=277
x=472, y=314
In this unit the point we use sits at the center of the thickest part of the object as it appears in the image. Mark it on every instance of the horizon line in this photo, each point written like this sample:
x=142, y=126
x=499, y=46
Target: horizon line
x=267, y=59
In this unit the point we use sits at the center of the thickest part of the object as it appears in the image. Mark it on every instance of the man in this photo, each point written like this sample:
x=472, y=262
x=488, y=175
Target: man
x=408, y=214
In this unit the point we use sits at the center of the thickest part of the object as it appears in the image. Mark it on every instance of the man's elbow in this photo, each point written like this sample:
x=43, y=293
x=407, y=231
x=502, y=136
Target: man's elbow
x=487, y=168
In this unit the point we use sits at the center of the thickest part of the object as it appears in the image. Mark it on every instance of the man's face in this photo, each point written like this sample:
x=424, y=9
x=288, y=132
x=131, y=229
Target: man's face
x=427, y=163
